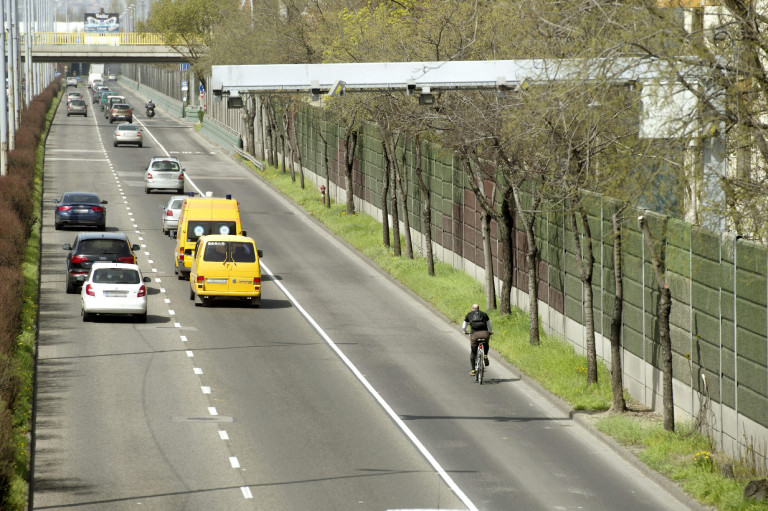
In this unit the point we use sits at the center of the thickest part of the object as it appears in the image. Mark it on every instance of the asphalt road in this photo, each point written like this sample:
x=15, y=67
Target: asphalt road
x=341, y=392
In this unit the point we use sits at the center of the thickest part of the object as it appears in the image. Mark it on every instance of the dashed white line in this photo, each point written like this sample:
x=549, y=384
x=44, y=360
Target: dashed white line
x=212, y=410
x=198, y=370
x=223, y=435
x=206, y=390
x=233, y=461
x=246, y=492
x=190, y=354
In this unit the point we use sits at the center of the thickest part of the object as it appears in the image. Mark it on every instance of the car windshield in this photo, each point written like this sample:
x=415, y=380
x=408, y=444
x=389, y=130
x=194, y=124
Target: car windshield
x=102, y=246
x=116, y=276
x=197, y=228
x=74, y=197
x=237, y=251
x=165, y=165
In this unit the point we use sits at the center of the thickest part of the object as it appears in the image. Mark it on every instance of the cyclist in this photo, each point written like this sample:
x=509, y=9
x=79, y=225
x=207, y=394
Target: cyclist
x=482, y=330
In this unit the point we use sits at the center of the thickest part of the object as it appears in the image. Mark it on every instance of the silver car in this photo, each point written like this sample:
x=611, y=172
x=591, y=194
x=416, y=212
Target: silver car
x=77, y=107
x=171, y=212
x=128, y=134
x=74, y=95
x=164, y=173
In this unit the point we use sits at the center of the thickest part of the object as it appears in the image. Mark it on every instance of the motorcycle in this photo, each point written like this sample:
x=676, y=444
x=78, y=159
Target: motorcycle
x=150, y=111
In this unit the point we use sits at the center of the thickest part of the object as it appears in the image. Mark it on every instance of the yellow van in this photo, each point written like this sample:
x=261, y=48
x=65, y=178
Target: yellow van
x=226, y=266
x=201, y=216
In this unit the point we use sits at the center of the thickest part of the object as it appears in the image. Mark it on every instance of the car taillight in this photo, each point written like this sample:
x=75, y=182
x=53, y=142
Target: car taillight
x=142, y=291
x=200, y=279
x=89, y=290
x=98, y=209
x=65, y=208
x=149, y=175
x=256, y=282
x=168, y=212
x=79, y=259
x=138, y=134
x=181, y=176
x=126, y=259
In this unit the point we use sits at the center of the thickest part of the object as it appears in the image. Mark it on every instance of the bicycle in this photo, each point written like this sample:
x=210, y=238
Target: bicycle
x=480, y=363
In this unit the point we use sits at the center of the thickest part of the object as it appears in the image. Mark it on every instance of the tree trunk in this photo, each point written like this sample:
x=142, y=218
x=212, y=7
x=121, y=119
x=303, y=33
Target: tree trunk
x=426, y=209
x=506, y=235
x=285, y=145
x=396, y=248
x=327, y=169
x=531, y=258
x=249, y=115
x=586, y=263
x=664, y=308
x=402, y=189
x=271, y=135
x=490, y=286
x=297, y=150
x=503, y=218
x=350, y=144
x=617, y=383
x=385, y=198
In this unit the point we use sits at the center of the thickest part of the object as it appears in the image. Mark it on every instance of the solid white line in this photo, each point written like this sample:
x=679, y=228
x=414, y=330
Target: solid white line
x=405, y=429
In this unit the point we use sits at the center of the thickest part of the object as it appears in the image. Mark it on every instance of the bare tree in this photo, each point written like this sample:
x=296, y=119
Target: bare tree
x=664, y=308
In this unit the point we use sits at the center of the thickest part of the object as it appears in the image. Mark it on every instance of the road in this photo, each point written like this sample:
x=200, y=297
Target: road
x=342, y=391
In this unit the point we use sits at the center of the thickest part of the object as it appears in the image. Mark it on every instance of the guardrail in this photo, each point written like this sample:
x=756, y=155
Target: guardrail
x=83, y=38
x=259, y=164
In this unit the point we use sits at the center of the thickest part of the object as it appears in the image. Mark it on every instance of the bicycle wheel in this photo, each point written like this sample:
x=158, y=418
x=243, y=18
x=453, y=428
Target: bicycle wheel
x=479, y=365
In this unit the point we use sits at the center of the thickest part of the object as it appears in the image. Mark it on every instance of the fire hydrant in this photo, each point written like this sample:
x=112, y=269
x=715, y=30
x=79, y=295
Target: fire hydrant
x=322, y=192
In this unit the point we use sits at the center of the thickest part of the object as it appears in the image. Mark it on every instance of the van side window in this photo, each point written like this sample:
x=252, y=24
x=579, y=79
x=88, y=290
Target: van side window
x=215, y=251
x=242, y=252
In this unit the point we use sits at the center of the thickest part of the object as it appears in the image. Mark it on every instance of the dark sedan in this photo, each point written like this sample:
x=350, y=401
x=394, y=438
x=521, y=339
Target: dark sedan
x=96, y=247
x=82, y=209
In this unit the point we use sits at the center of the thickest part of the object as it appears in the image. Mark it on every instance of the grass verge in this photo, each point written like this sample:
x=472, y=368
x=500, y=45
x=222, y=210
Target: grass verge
x=686, y=457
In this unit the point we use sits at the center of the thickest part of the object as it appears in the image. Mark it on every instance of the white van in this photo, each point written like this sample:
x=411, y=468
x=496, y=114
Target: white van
x=95, y=76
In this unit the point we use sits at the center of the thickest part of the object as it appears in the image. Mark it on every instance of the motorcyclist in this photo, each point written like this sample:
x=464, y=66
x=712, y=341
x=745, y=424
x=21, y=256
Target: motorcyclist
x=150, y=108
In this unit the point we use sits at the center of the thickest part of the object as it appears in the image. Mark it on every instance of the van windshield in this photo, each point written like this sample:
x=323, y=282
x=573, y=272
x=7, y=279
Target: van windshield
x=197, y=228
x=237, y=251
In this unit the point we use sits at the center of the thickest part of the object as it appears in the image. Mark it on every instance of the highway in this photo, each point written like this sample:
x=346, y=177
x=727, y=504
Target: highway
x=342, y=391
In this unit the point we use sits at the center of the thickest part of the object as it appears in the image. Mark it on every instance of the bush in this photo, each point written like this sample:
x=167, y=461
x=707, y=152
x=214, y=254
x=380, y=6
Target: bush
x=13, y=237
x=16, y=193
x=11, y=285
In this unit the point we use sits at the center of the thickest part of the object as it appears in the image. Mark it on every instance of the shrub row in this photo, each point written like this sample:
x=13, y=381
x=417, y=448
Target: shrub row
x=17, y=218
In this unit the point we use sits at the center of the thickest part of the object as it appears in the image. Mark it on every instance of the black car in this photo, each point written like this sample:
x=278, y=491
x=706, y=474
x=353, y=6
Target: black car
x=81, y=209
x=92, y=247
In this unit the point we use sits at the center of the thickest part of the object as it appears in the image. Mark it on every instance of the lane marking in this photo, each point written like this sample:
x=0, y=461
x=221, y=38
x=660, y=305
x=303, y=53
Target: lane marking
x=233, y=461
x=223, y=435
x=387, y=408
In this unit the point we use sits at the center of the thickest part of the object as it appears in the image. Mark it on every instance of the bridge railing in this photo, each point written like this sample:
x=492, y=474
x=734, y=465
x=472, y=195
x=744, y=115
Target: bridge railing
x=84, y=38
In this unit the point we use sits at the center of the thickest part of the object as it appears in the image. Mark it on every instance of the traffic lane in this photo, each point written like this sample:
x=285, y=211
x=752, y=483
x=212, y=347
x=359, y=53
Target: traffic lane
x=383, y=489
x=304, y=430
x=107, y=395
x=400, y=346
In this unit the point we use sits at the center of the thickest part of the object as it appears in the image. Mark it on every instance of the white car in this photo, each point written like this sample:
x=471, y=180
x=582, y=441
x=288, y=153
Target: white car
x=114, y=288
x=164, y=173
x=171, y=212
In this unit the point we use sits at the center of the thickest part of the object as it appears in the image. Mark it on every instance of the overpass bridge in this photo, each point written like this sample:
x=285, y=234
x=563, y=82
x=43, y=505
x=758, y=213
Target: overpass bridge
x=105, y=48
